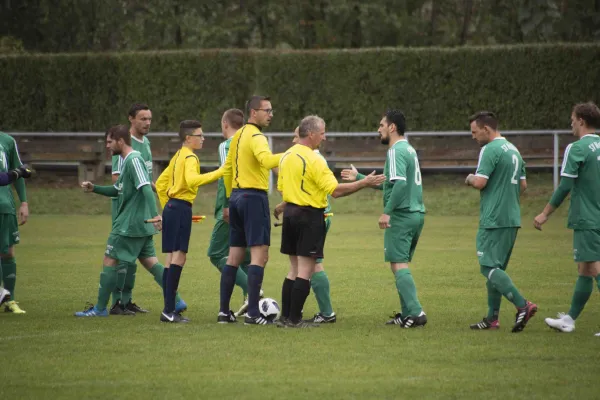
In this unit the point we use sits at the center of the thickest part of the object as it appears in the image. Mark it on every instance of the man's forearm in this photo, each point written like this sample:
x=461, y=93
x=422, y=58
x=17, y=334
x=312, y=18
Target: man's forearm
x=345, y=189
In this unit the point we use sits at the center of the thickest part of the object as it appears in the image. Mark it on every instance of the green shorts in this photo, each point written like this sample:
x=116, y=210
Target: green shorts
x=9, y=232
x=400, y=240
x=494, y=246
x=129, y=249
x=219, y=242
x=327, y=225
x=586, y=245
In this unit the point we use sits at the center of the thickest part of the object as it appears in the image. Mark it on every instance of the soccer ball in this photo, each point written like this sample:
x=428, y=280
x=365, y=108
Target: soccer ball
x=269, y=309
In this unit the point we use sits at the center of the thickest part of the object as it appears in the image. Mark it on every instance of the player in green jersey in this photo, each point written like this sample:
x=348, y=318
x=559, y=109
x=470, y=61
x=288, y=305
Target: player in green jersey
x=501, y=179
x=580, y=176
x=403, y=215
x=218, y=250
x=140, y=119
x=9, y=225
x=131, y=237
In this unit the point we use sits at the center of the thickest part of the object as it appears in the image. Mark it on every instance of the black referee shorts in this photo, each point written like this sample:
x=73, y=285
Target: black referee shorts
x=177, y=226
x=303, y=231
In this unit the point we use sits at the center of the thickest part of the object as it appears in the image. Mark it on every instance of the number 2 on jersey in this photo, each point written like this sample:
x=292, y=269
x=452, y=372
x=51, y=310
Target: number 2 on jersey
x=515, y=161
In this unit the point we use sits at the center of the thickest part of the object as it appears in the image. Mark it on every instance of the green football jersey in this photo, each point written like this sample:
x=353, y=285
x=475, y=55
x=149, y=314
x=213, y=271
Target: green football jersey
x=402, y=164
x=132, y=208
x=141, y=146
x=9, y=159
x=582, y=162
x=500, y=201
x=328, y=208
x=220, y=202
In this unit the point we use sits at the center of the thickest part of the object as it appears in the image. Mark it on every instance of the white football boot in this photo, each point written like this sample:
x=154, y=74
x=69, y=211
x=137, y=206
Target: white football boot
x=564, y=323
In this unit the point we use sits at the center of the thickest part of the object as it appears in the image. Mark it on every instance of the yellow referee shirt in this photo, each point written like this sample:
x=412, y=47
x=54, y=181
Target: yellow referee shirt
x=181, y=179
x=249, y=160
x=304, y=178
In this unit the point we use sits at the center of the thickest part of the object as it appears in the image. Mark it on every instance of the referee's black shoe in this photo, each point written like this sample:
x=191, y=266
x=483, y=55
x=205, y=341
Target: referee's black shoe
x=173, y=318
x=226, y=318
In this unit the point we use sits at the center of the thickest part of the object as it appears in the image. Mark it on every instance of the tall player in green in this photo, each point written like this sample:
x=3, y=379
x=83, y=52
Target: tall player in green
x=130, y=238
x=140, y=119
x=9, y=226
x=580, y=176
x=218, y=250
x=403, y=214
x=500, y=178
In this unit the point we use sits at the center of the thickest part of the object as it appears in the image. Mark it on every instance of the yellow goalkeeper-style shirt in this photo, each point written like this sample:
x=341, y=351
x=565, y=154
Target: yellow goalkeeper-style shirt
x=249, y=160
x=181, y=179
x=304, y=178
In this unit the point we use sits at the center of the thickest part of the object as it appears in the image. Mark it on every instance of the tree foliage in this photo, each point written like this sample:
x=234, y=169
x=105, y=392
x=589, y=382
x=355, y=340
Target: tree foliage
x=121, y=25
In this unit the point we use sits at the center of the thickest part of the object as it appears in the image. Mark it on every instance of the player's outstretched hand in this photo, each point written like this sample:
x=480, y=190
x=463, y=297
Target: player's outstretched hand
x=539, y=221
x=349, y=174
x=384, y=221
x=373, y=180
x=87, y=186
x=278, y=210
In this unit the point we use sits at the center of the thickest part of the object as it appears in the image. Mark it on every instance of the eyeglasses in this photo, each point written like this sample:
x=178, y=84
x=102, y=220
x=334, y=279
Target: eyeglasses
x=267, y=110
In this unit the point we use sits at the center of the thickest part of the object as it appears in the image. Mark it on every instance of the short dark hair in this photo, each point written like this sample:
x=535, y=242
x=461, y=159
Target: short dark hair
x=483, y=118
x=588, y=112
x=234, y=117
x=188, y=127
x=254, y=102
x=136, y=108
x=396, y=117
x=119, y=132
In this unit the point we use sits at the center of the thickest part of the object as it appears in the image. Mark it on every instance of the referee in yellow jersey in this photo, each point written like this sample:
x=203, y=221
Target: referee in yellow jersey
x=305, y=181
x=177, y=188
x=246, y=178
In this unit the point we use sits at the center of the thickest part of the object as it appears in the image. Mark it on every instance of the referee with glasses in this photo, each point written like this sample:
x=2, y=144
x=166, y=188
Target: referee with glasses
x=305, y=181
x=246, y=178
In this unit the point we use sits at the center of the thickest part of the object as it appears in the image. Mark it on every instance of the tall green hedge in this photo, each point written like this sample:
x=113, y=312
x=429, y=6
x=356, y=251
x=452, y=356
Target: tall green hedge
x=530, y=87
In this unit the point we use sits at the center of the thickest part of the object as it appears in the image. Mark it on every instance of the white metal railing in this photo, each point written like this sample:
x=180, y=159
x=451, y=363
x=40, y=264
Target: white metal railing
x=270, y=135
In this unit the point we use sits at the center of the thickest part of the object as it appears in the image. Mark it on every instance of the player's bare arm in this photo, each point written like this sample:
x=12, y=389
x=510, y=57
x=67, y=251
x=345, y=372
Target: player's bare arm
x=478, y=182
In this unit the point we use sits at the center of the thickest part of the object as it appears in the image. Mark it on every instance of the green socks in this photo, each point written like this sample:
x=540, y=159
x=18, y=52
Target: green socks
x=108, y=281
x=241, y=277
x=408, y=291
x=583, y=290
x=9, y=275
x=503, y=284
x=129, y=283
x=598, y=281
x=121, y=275
x=320, y=286
x=494, y=300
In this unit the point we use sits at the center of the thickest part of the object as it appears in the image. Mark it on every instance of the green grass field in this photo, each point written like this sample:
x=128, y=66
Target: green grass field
x=47, y=353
